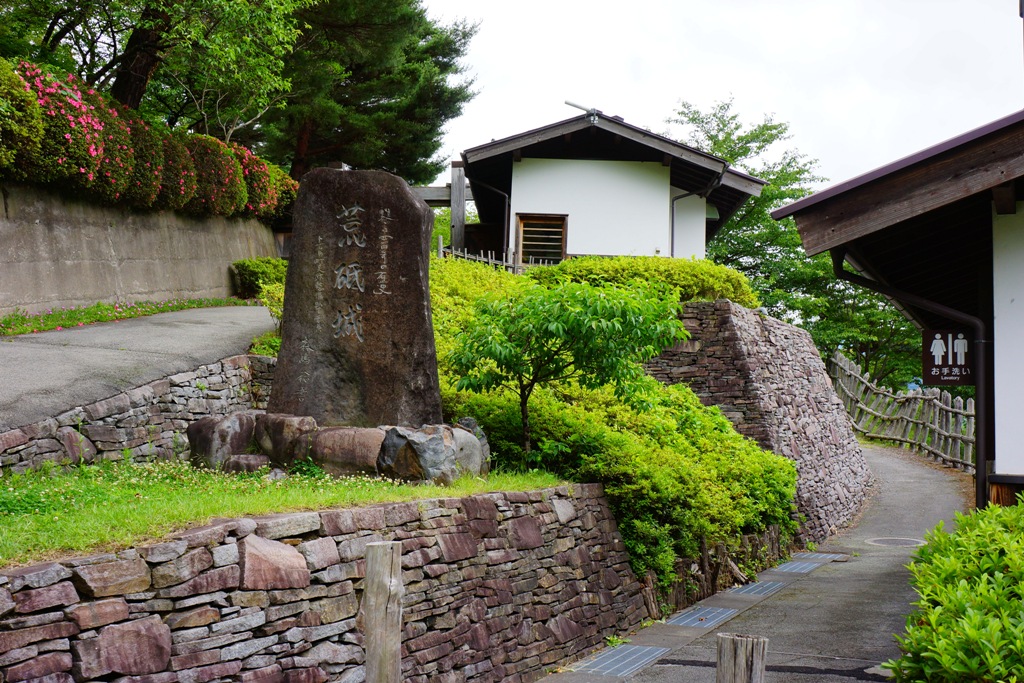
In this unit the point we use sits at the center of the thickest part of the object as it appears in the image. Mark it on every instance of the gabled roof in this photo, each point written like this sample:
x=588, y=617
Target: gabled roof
x=972, y=162
x=923, y=224
x=596, y=136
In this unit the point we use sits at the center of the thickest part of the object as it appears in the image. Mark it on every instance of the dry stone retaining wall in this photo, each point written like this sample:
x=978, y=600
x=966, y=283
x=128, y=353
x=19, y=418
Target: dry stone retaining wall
x=768, y=379
x=147, y=422
x=499, y=587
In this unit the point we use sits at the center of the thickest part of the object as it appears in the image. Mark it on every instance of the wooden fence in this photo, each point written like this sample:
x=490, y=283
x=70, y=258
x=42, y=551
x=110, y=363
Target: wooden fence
x=497, y=260
x=926, y=420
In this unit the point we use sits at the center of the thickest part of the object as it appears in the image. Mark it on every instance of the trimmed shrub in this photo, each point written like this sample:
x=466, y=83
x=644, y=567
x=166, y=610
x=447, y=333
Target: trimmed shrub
x=261, y=191
x=178, y=184
x=698, y=279
x=220, y=186
x=252, y=274
x=21, y=123
x=287, y=189
x=147, y=175
x=115, y=153
x=968, y=625
x=72, y=144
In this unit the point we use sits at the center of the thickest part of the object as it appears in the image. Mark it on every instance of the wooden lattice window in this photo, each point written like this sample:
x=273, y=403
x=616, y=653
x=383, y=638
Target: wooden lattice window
x=541, y=238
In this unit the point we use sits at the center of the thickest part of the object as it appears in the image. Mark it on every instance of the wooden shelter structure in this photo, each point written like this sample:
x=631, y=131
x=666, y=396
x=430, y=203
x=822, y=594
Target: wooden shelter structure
x=939, y=233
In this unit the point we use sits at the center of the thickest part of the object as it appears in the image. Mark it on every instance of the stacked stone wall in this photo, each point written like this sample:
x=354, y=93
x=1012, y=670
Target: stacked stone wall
x=146, y=423
x=499, y=587
x=768, y=379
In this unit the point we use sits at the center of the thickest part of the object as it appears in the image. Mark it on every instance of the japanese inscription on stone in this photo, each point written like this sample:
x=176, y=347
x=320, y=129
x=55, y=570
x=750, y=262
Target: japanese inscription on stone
x=357, y=339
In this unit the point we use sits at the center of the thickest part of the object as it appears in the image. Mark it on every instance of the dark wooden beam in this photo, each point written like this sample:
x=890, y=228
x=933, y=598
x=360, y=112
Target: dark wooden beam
x=567, y=138
x=517, y=155
x=1005, y=198
x=977, y=166
x=666, y=160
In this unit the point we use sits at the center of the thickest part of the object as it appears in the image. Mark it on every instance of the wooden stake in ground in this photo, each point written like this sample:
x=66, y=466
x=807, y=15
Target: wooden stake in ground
x=382, y=612
x=741, y=659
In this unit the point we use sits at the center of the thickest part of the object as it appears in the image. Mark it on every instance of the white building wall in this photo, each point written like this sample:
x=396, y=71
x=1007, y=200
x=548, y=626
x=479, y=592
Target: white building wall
x=613, y=207
x=689, y=227
x=1008, y=339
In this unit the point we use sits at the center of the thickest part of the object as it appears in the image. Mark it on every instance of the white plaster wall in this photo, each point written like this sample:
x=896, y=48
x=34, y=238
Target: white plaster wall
x=1008, y=339
x=690, y=222
x=613, y=207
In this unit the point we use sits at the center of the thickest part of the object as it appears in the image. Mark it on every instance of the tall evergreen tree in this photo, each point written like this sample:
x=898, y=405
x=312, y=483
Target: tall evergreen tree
x=381, y=102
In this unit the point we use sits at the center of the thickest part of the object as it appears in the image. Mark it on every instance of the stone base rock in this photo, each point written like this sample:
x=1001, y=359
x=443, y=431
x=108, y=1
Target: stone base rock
x=342, y=451
x=278, y=434
x=213, y=440
x=435, y=453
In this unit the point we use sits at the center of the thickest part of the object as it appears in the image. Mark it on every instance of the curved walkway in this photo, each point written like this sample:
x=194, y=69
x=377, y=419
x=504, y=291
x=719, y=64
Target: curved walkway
x=44, y=374
x=834, y=624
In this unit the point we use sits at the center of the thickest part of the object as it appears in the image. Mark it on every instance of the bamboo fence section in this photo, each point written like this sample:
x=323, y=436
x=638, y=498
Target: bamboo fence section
x=925, y=420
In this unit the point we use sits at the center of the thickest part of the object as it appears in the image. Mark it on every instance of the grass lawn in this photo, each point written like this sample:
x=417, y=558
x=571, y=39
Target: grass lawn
x=21, y=322
x=114, y=505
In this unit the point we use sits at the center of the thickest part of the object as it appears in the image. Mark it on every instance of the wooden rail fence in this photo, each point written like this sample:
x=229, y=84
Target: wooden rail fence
x=497, y=260
x=929, y=421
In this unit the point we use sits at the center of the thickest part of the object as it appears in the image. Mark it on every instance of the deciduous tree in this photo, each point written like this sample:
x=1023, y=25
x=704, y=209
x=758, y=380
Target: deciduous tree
x=539, y=335
x=791, y=285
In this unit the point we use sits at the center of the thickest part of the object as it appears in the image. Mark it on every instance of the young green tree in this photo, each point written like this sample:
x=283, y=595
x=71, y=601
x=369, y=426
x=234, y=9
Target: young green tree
x=540, y=335
x=792, y=286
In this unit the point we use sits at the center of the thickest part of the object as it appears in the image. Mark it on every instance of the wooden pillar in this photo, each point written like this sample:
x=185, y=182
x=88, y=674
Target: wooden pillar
x=382, y=612
x=741, y=659
x=458, y=193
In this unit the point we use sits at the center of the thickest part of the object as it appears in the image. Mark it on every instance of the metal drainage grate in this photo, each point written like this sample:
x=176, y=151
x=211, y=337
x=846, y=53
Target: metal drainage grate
x=818, y=557
x=897, y=542
x=759, y=588
x=620, y=661
x=797, y=567
x=703, y=617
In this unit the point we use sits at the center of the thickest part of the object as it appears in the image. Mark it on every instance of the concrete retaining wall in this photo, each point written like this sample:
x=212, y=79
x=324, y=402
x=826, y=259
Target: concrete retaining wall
x=499, y=587
x=59, y=252
x=768, y=379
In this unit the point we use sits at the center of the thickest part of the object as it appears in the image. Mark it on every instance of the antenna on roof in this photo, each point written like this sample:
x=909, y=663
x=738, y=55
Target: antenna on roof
x=593, y=113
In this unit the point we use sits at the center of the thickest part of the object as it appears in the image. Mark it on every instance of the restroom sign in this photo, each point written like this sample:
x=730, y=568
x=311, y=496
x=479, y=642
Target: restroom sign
x=947, y=357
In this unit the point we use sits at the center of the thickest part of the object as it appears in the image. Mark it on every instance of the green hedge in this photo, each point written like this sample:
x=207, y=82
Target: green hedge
x=220, y=186
x=252, y=274
x=968, y=624
x=56, y=131
x=696, y=279
x=21, y=123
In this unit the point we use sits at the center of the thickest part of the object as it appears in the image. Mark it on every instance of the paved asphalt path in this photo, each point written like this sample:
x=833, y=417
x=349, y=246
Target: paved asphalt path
x=836, y=623
x=47, y=373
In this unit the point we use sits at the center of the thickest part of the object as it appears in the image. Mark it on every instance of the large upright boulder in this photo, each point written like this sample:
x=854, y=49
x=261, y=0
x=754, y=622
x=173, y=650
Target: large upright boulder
x=357, y=338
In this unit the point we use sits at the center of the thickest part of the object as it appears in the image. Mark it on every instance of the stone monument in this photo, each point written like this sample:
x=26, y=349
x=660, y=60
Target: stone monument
x=357, y=342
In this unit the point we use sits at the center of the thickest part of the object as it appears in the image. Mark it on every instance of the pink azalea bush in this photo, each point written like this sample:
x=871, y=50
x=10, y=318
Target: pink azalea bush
x=147, y=176
x=261, y=192
x=220, y=189
x=115, y=150
x=72, y=144
x=178, y=184
x=58, y=131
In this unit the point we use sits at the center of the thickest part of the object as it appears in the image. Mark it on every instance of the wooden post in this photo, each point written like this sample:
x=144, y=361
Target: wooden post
x=458, y=191
x=382, y=612
x=440, y=246
x=741, y=659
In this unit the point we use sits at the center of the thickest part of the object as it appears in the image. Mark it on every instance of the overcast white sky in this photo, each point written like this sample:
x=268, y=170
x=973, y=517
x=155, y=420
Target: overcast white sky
x=861, y=82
